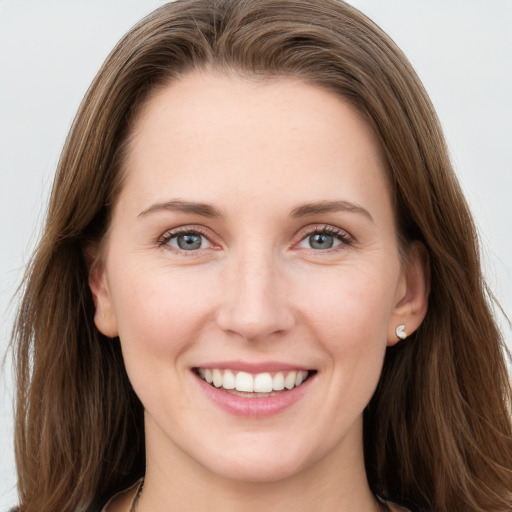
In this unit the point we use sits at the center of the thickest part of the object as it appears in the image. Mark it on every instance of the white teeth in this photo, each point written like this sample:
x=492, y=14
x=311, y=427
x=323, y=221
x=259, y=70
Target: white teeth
x=229, y=380
x=217, y=378
x=246, y=382
x=263, y=383
x=289, y=381
x=278, y=382
x=301, y=376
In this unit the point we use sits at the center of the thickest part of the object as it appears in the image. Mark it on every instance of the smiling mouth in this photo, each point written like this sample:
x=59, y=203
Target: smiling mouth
x=257, y=385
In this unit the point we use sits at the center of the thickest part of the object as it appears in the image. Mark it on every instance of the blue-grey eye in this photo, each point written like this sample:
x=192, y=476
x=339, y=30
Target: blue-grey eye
x=324, y=239
x=321, y=241
x=188, y=241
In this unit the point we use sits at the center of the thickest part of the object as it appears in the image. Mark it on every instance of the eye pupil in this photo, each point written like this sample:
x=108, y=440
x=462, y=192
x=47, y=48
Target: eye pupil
x=321, y=241
x=189, y=242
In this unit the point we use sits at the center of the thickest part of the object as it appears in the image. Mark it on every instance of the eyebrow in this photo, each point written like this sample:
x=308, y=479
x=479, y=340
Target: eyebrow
x=179, y=205
x=310, y=209
x=304, y=210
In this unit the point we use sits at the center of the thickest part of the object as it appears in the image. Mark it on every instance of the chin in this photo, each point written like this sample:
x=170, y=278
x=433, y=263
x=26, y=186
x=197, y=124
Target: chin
x=260, y=471
x=262, y=463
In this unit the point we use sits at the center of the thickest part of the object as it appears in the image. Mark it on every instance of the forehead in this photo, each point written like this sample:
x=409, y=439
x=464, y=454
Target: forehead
x=225, y=135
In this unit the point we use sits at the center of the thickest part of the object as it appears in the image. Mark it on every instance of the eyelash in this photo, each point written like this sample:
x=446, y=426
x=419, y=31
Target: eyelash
x=341, y=235
x=169, y=235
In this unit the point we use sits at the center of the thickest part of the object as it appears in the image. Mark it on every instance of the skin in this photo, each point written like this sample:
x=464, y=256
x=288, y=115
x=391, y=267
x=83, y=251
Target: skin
x=255, y=291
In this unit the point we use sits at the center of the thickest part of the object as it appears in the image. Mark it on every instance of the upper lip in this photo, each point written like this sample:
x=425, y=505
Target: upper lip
x=253, y=367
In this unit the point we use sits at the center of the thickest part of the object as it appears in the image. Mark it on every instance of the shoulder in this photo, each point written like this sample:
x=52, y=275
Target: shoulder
x=122, y=500
x=392, y=507
x=396, y=508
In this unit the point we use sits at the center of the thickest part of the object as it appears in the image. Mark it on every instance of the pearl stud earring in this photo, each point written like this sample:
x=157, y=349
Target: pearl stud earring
x=400, y=332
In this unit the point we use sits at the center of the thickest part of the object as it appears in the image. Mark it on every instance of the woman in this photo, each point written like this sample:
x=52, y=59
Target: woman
x=258, y=284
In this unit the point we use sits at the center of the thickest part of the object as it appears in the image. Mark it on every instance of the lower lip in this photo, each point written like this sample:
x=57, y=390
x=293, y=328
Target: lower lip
x=254, y=407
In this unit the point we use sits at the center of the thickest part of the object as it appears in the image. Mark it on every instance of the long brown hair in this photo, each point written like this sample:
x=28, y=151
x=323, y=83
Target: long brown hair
x=437, y=433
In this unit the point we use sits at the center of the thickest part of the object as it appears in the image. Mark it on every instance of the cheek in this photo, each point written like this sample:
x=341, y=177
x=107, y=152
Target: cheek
x=159, y=316
x=349, y=320
x=351, y=307
x=157, y=309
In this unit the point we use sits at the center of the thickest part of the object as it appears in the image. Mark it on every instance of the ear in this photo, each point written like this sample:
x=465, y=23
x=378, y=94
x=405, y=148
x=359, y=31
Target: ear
x=104, y=315
x=412, y=293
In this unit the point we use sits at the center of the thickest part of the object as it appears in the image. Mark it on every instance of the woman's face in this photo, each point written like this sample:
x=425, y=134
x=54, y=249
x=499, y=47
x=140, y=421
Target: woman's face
x=253, y=243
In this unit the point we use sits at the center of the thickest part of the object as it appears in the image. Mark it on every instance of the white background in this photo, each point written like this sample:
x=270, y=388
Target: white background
x=50, y=51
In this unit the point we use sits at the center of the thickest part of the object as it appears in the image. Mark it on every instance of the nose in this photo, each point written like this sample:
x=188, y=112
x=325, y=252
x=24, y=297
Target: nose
x=255, y=304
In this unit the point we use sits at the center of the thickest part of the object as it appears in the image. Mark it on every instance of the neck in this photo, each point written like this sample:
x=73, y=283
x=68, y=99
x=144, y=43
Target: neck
x=337, y=481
